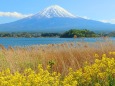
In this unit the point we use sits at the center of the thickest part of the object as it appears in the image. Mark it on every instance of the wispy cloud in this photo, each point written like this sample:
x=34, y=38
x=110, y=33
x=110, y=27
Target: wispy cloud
x=13, y=14
x=112, y=21
x=85, y=17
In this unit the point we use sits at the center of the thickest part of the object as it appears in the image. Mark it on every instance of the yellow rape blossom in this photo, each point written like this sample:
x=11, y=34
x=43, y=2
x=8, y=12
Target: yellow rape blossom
x=101, y=73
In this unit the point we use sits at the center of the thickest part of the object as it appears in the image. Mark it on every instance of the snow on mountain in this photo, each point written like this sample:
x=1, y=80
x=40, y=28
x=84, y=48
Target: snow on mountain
x=54, y=11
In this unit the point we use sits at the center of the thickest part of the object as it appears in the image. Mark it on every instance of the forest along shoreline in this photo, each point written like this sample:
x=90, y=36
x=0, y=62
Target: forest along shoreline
x=66, y=34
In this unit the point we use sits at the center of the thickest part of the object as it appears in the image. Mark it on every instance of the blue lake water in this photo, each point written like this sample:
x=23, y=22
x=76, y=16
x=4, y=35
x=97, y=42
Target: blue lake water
x=37, y=41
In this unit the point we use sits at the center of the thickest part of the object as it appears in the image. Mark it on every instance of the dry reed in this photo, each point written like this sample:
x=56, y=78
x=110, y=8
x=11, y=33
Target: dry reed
x=64, y=55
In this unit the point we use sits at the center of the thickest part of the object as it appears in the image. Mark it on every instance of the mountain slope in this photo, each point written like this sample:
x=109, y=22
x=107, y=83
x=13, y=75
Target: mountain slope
x=55, y=19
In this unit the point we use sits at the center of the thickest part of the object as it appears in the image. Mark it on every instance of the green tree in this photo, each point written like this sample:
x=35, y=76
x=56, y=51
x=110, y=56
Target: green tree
x=78, y=33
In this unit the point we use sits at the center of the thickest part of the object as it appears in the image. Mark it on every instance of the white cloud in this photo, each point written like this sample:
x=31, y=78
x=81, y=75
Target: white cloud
x=112, y=21
x=85, y=17
x=13, y=14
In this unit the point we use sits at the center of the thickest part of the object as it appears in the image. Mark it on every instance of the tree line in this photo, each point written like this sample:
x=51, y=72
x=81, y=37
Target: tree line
x=28, y=34
x=68, y=34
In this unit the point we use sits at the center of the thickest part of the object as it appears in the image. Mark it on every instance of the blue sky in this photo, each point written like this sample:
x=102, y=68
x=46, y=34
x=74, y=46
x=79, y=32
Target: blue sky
x=102, y=10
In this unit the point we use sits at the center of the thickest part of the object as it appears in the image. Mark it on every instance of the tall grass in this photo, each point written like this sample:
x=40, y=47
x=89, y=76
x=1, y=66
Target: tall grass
x=64, y=55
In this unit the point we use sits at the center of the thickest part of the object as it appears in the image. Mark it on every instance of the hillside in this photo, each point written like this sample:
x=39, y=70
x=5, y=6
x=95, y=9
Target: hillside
x=55, y=19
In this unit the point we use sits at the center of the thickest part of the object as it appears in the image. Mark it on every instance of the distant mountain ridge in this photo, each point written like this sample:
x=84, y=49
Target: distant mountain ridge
x=55, y=19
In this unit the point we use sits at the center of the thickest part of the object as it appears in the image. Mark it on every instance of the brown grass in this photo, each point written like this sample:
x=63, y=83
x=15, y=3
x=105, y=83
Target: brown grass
x=64, y=55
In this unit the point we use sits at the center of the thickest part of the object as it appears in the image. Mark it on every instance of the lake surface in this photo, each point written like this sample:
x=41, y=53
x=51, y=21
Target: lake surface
x=37, y=41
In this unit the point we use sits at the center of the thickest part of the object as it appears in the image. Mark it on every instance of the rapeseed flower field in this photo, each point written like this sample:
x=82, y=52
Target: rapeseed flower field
x=100, y=73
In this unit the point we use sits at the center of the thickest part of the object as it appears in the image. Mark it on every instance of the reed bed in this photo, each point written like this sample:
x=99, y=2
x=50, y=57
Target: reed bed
x=67, y=55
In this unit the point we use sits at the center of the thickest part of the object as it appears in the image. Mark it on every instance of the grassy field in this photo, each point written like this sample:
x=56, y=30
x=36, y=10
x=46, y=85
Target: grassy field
x=67, y=64
x=63, y=56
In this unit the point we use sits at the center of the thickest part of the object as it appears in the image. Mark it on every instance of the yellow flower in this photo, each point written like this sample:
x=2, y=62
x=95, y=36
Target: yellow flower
x=96, y=55
x=97, y=84
x=104, y=55
x=110, y=53
x=97, y=72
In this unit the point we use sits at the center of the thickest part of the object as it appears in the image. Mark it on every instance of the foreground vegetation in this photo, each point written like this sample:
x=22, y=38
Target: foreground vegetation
x=64, y=55
x=101, y=73
x=89, y=64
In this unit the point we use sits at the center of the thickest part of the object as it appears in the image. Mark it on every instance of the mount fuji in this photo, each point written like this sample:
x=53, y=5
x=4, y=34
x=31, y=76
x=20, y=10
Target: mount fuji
x=54, y=11
x=55, y=19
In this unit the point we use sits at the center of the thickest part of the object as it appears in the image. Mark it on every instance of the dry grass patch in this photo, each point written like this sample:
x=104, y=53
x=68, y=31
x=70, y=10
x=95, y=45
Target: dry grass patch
x=64, y=55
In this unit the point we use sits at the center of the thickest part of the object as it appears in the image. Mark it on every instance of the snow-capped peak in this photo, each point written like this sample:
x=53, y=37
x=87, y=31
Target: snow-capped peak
x=54, y=11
